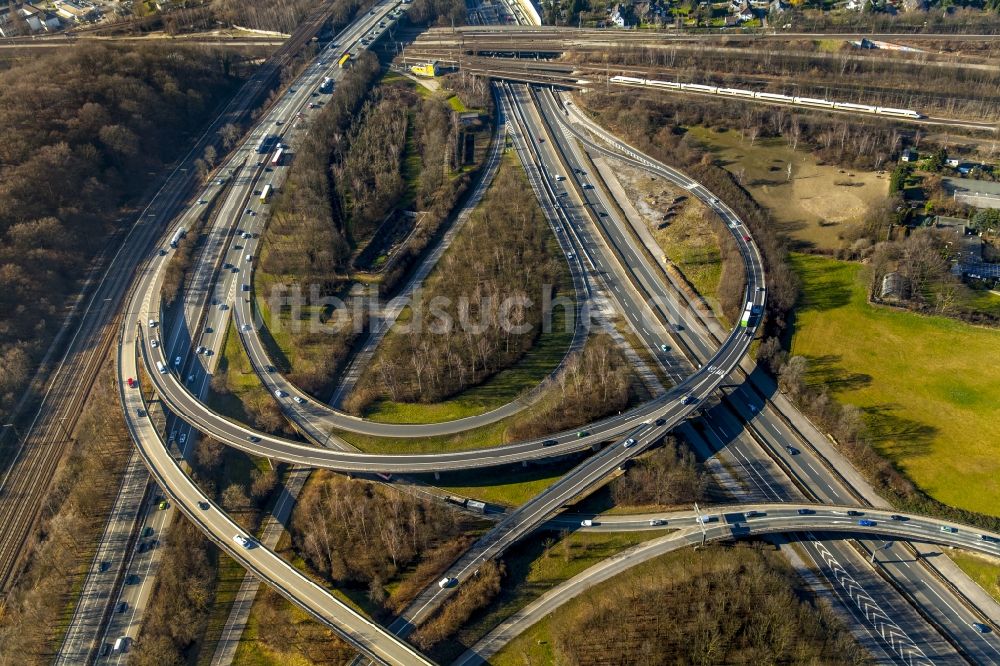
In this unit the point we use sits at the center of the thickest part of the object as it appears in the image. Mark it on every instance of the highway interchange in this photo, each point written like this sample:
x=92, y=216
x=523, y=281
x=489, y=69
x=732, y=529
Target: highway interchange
x=607, y=251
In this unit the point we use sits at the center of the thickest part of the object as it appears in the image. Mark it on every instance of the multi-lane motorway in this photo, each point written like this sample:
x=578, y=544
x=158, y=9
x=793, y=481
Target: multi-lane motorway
x=733, y=522
x=630, y=433
x=756, y=433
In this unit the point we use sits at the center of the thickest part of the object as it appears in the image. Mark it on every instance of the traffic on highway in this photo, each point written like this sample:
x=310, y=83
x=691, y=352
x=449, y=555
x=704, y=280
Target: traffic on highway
x=178, y=354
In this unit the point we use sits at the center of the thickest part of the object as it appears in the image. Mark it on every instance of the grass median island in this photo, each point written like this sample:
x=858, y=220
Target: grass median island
x=740, y=605
x=236, y=391
x=688, y=238
x=980, y=568
x=279, y=633
x=926, y=385
x=480, y=342
x=594, y=383
x=527, y=373
x=533, y=567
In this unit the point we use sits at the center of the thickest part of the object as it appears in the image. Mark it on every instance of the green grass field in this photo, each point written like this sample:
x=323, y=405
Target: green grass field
x=498, y=390
x=240, y=378
x=503, y=486
x=230, y=577
x=928, y=385
x=985, y=571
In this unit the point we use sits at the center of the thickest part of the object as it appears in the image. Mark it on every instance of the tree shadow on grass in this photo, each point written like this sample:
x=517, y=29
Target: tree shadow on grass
x=274, y=351
x=788, y=227
x=899, y=436
x=825, y=294
x=767, y=182
x=824, y=372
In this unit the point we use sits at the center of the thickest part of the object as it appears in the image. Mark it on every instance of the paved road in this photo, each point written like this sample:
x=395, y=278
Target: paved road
x=102, y=587
x=176, y=395
x=772, y=433
x=680, y=402
x=584, y=479
x=363, y=634
x=112, y=557
x=728, y=523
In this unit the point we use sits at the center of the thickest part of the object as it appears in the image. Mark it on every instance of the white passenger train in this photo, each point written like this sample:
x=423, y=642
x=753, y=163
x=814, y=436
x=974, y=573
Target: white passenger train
x=767, y=97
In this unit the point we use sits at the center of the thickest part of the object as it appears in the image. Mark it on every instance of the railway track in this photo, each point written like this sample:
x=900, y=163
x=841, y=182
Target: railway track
x=61, y=391
x=615, y=36
x=576, y=76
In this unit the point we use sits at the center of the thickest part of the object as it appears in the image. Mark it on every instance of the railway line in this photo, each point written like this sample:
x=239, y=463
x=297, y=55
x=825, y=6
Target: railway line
x=87, y=335
x=613, y=36
x=628, y=80
x=516, y=524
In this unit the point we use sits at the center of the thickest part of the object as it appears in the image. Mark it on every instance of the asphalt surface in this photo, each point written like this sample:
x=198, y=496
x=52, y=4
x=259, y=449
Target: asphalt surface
x=172, y=389
x=100, y=589
x=516, y=525
x=681, y=401
x=358, y=631
x=768, y=476
x=164, y=464
x=730, y=523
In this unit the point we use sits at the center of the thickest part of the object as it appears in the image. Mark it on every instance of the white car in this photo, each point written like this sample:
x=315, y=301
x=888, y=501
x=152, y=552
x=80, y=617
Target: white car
x=246, y=328
x=629, y=442
x=298, y=400
x=278, y=393
x=152, y=323
x=446, y=582
x=183, y=438
x=154, y=343
x=243, y=541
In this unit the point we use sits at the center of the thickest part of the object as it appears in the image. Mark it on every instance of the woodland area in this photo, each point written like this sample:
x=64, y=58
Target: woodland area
x=307, y=235
x=181, y=601
x=505, y=253
x=741, y=605
x=342, y=186
x=278, y=16
x=83, y=127
x=370, y=537
x=591, y=385
x=285, y=15
x=667, y=475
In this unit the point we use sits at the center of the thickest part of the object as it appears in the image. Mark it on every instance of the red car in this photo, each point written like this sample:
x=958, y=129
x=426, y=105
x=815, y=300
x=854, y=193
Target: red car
x=132, y=383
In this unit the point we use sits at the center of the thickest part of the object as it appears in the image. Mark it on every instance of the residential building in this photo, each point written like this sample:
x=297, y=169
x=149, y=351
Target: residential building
x=622, y=16
x=72, y=11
